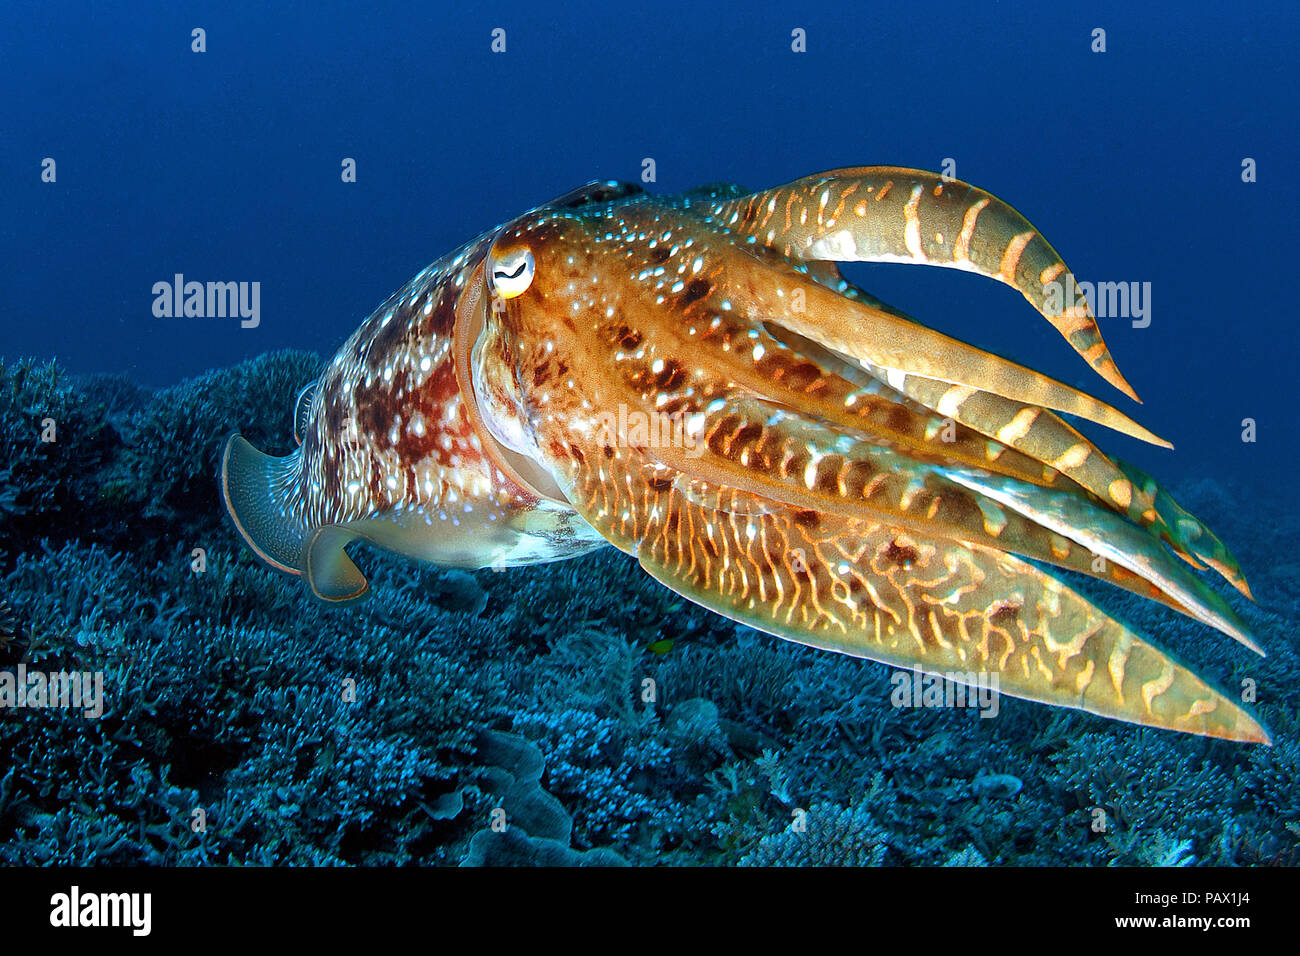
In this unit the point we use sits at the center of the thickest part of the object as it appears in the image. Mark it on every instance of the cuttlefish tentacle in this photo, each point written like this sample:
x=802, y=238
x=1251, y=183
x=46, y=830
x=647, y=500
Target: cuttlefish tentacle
x=891, y=214
x=883, y=341
x=1043, y=436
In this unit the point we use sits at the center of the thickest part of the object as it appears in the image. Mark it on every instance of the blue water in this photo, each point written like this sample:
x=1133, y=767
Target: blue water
x=225, y=166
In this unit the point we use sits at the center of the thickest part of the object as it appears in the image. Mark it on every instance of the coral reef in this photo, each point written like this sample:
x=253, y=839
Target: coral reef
x=826, y=835
x=599, y=717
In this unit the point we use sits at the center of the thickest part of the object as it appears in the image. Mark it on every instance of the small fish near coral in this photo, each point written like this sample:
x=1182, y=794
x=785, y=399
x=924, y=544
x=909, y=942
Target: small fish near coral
x=691, y=379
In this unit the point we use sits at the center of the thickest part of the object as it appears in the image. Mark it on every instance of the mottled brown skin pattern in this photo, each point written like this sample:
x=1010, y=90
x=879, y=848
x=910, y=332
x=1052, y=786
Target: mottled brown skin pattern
x=690, y=379
x=351, y=438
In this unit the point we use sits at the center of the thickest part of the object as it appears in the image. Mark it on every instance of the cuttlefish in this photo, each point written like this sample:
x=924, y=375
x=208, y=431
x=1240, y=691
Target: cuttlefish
x=691, y=379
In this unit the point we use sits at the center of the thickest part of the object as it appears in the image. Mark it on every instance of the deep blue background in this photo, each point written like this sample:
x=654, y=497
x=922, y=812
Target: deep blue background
x=225, y=166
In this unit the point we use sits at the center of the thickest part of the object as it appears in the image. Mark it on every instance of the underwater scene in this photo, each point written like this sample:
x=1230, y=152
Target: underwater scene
x=647, y=437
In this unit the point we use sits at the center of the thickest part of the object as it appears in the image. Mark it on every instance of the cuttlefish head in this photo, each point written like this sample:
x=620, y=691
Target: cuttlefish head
x=547, y=283
x=589, y=317
x=517, y=375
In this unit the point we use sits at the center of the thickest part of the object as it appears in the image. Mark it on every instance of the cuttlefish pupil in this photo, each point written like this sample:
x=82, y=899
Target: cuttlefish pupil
x=692, y=380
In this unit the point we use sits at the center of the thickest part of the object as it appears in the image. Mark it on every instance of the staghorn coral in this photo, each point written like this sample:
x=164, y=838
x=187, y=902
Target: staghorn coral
x=248, y=722
x=834, y=836
x=56, y=440
x=173, y=444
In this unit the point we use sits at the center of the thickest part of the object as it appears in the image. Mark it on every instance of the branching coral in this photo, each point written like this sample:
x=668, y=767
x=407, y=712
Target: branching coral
x=245, y=723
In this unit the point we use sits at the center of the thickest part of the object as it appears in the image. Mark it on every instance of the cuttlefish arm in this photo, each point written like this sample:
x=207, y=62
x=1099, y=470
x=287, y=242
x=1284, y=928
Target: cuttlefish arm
x=896, y=348
x=892, y=214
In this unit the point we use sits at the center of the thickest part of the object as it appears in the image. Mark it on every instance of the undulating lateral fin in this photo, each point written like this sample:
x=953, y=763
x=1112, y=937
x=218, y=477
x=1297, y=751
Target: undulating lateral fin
x=596, y=191
x=892, y=214
x=256, y=489
x=717, y=190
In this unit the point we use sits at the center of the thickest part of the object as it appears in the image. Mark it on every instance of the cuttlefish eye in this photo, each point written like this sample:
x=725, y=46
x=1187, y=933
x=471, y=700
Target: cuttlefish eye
x=511, y=272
